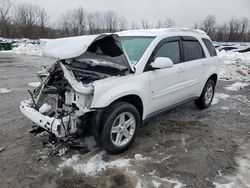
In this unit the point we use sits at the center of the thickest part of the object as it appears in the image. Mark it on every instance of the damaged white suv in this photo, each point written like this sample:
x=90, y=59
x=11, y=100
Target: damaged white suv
x=112, y=83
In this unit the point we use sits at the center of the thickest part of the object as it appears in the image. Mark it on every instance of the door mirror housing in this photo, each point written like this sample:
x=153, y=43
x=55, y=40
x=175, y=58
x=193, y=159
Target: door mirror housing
x=162, y=62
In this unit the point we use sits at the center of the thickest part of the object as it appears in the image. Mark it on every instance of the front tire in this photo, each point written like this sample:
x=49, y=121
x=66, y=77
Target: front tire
x=207, y=95
x=120, y=123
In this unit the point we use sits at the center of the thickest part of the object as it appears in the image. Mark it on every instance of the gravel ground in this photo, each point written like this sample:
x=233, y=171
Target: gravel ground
x=185, y=147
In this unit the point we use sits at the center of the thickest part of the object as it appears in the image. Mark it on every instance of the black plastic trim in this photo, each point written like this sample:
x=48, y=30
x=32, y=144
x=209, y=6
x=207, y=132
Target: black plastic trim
x=164, y=110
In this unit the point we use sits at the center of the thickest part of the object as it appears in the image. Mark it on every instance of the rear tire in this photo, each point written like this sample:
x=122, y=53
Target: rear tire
x=207, y=95
x=120, y=123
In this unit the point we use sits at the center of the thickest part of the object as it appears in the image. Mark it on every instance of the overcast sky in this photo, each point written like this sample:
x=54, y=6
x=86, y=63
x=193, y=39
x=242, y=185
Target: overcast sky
x=184, y=12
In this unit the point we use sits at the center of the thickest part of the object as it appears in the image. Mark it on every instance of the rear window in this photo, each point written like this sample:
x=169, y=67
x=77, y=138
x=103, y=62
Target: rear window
x=210, y=47
x=192, y=50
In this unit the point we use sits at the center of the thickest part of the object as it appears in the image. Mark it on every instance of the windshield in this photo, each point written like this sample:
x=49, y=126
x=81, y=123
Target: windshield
x=135, y=47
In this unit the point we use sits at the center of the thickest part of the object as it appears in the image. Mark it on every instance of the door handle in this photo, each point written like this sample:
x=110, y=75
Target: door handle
x=180, y=70
x=204, y=63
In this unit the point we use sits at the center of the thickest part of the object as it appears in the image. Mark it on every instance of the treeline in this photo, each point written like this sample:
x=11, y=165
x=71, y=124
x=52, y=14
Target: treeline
x=235, y=30
x=30, y=21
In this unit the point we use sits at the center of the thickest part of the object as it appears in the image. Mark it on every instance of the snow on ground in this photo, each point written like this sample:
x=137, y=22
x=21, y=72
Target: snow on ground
x=236, y=86
x=28, y=49
x=236, y=66
x=241, y=177
x=219, y=96
x=4, y=90
x=96, y=164
x=34, y=84
x=93, y=165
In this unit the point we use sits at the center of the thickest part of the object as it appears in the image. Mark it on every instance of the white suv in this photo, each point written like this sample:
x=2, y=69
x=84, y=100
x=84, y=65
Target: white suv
x=112, y=83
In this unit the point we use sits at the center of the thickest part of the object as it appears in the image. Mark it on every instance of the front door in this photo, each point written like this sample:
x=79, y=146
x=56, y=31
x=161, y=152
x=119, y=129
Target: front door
x=166, y=85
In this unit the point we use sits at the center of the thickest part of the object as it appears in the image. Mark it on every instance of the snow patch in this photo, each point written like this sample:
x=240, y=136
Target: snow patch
x=27, y=49
x=140, y=157
x=236, y=56
x=177, y=184
x=156, y=183
x=225, y=108
x=34, y=84
x=226, y=185
x=62, y=151
x=236, y=86
x=4, y=90
x=242, y=176
x=139, y=184
x=215, y=101
x=236, y=66
x=218, y=96
x=93, y=165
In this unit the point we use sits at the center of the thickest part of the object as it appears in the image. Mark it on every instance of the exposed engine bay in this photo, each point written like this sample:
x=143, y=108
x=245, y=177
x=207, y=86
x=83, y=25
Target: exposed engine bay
x=66, y=94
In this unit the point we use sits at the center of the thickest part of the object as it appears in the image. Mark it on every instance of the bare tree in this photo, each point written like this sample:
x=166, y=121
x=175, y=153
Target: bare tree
x=166, y=23
x=134, y=25
x=145, y=24
x=222, y=33
x=32, y=22
x=5, y=6
x=74, y=22
x=113, y=21
x=77, y=19
x=209, y=25
x=29, y=19
x=42, y=19
x=243, y=30
x=234, y=29
x=95, y=22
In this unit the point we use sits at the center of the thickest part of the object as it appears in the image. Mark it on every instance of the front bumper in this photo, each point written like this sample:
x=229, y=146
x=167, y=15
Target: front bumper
x=50, y=124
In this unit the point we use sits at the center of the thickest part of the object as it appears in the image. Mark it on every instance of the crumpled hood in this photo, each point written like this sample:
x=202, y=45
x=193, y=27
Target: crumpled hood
x=103, y=46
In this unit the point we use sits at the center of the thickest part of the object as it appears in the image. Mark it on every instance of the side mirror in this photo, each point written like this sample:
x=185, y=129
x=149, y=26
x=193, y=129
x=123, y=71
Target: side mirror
x=162, y=62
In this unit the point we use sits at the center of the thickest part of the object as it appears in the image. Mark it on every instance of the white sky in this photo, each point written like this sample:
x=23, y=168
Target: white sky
x=184, y=12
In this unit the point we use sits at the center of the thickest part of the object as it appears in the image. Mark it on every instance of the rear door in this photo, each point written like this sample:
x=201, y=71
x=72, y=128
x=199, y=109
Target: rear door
x=194, y=60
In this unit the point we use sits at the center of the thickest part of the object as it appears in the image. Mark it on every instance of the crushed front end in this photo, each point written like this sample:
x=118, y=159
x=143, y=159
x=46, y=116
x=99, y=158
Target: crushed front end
x=62, y=99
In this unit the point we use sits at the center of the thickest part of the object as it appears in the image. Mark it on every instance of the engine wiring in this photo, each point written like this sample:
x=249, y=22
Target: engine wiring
x=63, y=114
x=33, y=99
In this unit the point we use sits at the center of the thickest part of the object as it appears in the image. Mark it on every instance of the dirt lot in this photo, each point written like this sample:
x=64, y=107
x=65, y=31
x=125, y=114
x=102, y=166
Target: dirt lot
x=185, y=147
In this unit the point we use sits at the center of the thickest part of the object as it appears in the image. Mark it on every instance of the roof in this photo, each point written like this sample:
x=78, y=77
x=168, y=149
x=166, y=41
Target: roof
x=158, y=32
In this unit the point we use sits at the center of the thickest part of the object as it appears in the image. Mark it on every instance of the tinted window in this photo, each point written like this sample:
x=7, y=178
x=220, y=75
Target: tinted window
x=170, y=50
x=210, y=47
x=192, y=50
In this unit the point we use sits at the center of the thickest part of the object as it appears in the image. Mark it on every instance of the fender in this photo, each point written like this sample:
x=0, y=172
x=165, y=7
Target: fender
x=107, y=92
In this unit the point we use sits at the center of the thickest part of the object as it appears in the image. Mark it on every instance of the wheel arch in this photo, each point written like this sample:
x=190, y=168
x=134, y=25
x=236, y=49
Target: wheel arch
x=134, y=100
x=213, y=77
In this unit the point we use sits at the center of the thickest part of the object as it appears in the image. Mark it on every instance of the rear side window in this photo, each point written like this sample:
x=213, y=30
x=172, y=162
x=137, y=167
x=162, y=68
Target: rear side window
x=170, y=50
x=210, y=47
x=192, y=50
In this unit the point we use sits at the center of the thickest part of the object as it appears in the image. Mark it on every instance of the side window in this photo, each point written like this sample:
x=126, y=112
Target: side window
x=170, y=50
x=210, y=47
x=192, y=50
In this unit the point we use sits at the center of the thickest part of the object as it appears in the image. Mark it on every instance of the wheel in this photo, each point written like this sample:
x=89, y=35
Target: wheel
x=120, y=123
x=207, y=95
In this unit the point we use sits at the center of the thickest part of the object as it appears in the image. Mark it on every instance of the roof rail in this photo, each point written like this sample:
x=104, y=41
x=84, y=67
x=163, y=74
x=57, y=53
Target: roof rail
x=187, y=30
